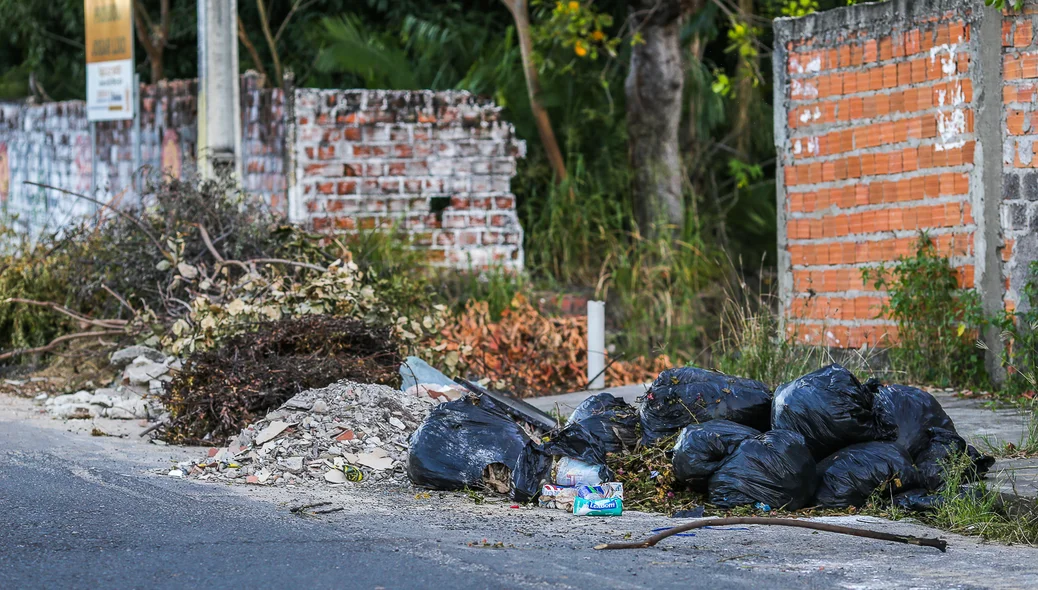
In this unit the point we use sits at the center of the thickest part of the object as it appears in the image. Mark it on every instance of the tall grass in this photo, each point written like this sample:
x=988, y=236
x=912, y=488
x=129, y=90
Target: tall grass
x=496, y=286
x=582, y=233
x=571, y=227
x=660, y=287
x=752, y=342
x=981, y=510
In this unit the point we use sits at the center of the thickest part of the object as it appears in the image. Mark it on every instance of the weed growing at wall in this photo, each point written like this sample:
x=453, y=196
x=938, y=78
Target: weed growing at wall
x=937, y=321
x=1020, y=341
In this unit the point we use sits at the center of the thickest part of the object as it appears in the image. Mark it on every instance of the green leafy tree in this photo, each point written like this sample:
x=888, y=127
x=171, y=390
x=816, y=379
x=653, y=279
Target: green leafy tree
x=41, y=49
x=1014, y=4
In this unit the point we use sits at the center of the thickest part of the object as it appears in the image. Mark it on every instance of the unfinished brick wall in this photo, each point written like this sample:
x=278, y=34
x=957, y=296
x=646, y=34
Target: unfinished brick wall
x=50, y=144
x=877, y=110
x=436, y=164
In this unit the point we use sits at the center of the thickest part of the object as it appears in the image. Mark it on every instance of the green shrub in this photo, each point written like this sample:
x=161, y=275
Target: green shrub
x=38, y=271
x=938, y=322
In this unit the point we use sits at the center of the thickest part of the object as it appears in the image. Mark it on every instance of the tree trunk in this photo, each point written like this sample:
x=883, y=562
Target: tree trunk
x=521, y=15
x=744, y=93
x=653, y=88
x=153, y=39
x=156, y=66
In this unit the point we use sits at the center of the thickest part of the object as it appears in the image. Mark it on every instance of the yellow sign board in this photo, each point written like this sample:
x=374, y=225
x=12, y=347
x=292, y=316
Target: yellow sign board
x=109, y=57
x=109, y=30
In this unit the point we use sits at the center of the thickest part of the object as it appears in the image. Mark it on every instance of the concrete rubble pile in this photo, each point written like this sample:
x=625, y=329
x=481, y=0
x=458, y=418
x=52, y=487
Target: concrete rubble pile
x=341, y=434
x=134, y=395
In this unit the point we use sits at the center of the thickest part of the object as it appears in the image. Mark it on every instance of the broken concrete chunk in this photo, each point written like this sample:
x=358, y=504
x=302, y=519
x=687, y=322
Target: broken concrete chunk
x=377, y=459
x=141, y=371
x=334, y=476
x=298, y=402
x=80, y=397
x=75, y=411
x=270, y=432
x=293, y=464
x=123, y=357
x=105, y=401
x=118, y=414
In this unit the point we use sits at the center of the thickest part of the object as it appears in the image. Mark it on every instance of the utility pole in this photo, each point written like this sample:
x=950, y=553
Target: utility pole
x=219, y=107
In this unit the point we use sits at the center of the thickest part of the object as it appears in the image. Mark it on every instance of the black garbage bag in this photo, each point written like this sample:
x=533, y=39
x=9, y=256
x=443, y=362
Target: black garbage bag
x=609, y=419
x=832, y=410
x=981, y=463
x=459, y=440
x=532, y=470
x=918, y=500
x=775, y=468
x=690, y=395
x=849, y=476
x=914, y=411
x=944, y=450
x=701, y=448
x=921, y=500
x=574, y=440
x=534, y=464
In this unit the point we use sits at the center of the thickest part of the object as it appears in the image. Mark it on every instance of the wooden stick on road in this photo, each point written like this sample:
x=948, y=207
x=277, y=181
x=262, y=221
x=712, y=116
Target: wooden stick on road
x=939, y=544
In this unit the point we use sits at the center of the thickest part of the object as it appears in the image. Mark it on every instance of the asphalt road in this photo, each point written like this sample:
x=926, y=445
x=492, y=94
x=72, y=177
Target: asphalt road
x=84, y=512
x=70, y=523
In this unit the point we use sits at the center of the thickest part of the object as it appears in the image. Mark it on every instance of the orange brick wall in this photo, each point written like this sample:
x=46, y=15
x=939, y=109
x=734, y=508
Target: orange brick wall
x=875, y=130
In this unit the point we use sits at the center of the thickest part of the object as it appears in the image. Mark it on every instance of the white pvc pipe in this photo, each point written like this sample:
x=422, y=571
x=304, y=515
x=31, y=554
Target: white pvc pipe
x=596, y=344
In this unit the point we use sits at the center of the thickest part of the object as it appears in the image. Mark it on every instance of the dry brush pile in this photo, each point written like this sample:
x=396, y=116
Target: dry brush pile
x=259, y=310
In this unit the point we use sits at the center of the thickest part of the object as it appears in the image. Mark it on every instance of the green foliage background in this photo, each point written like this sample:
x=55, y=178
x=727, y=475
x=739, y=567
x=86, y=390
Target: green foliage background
x=579, y=235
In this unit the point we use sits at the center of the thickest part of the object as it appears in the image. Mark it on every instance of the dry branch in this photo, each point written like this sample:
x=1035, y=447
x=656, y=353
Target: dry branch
x=68, y=312
x=316, y=267
x=123, y=214
x=939, y=544
x=209, y=242
x=54, y=343
x=121, y=299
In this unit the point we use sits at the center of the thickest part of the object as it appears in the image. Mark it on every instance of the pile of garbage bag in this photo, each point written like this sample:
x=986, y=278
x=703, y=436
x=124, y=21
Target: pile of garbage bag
x=825, y=439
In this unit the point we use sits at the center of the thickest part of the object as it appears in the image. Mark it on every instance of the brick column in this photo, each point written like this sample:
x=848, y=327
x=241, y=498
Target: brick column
x=875, y=127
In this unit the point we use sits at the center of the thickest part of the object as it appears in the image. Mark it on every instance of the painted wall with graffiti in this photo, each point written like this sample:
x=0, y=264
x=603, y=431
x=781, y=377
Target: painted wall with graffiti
x=50, y=144
x=436, y=165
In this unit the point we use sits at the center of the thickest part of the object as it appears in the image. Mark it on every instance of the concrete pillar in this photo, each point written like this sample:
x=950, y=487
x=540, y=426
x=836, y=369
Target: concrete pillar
x=987, y=196
x=219, y=107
